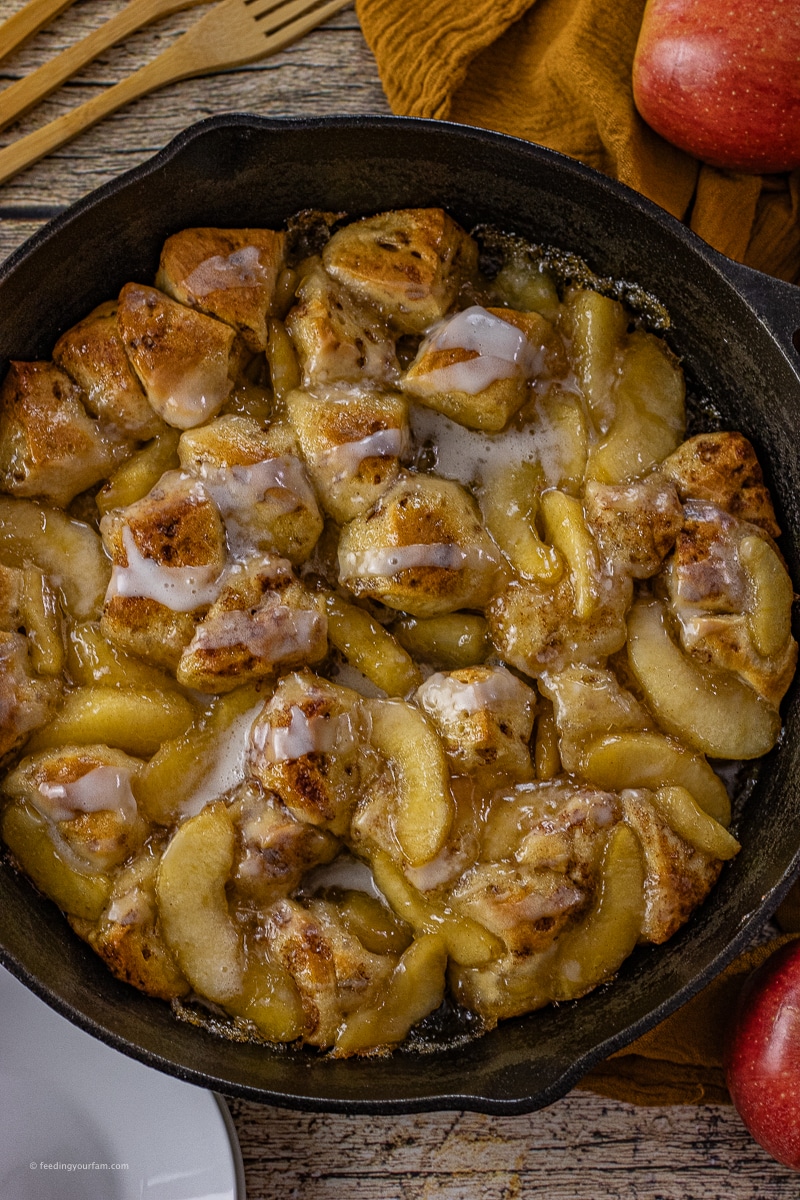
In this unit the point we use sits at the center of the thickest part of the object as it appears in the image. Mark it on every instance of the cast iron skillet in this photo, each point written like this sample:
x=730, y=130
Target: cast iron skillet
x=738, y=333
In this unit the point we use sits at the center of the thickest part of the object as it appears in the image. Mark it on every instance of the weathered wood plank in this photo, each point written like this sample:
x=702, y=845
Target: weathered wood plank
x=582, y=1148
x=330, y=71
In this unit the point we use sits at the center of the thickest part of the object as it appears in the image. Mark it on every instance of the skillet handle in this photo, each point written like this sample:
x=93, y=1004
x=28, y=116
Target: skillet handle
x=776, y=302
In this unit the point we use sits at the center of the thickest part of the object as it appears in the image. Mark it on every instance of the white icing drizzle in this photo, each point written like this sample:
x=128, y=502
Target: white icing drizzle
x=228, y=759
x=344, y=460
x=499, y=349
x=273, y=634
x=181, y=589
x=346, y=675
x=304, y=735
x=718, y=574
x=345, y=872
x=196, y=395
x=385, y=561
x=448, y=866
x=221, y=273
x=103, y=789
x=237, y=489
x=471, y=456
x=447, y=695
x=132, y=908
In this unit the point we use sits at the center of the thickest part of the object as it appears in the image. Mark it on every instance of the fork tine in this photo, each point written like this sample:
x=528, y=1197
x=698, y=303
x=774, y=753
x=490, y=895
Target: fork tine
x=274, y=16
x=259, y=8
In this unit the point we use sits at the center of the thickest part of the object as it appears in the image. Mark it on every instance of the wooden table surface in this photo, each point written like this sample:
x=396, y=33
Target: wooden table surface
x=583, y=1147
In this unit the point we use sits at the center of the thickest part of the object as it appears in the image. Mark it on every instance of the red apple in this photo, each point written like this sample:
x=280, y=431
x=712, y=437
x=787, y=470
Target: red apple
x=762, y=1061
x=721, y=79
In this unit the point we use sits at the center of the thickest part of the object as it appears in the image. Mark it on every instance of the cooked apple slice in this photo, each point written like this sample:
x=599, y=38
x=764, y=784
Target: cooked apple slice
x=416, y=988
x=68, y=552
x=597, y=326
x=566, y=529
x=140, y=473
x=711, y=710
x=41, y=616
x=270, y=999
x=651, y=760
x=424, y=807
x=683, y=814
x=770, y=615
x=468, y=942
x=379, y=930
x=448, y=642
x=648, y=422
x=129, y=718
x=202, y=763
x=190, y=890
x=598, y=947
x=510, y=501
x=91, y=659
x=369, y=647
x=28, y=838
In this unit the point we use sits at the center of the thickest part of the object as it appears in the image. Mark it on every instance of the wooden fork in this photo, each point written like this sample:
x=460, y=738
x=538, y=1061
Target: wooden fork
x=28, y=21
x=231, y=34
x=22, y=95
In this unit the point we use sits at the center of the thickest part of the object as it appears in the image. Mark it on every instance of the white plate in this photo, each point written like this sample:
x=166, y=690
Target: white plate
x=81, y=1121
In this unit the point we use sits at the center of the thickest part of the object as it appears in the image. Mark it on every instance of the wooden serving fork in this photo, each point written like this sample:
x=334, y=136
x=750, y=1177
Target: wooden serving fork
x=22, y=95
x=231, y=34
x=28, y=21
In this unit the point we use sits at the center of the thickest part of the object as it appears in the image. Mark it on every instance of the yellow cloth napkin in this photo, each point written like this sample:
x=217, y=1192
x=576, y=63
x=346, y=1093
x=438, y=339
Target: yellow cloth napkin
x=680, y=1061
x=558, y=72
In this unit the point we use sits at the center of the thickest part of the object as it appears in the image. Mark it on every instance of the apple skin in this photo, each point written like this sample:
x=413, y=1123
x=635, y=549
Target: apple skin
x=762, y=1059
x=721, y=79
